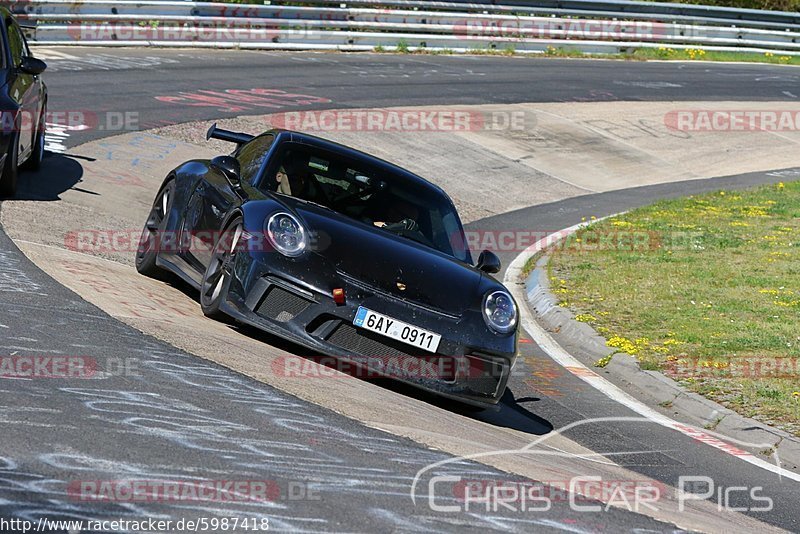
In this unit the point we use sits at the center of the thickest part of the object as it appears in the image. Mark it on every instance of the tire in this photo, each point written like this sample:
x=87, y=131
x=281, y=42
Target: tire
x=154, y=226
x=219, y=273
x=35, y=160
x=8, y=180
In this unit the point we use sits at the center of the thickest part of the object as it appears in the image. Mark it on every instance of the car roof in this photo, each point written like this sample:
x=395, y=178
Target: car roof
x=406, y=176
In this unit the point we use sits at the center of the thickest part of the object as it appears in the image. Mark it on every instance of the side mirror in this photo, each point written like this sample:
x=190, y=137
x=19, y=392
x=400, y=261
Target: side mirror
x=488, y=262
x=230, y=168
x=31, y=65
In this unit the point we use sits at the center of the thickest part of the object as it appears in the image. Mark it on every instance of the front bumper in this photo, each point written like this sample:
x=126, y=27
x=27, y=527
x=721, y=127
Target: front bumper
x=469, y=366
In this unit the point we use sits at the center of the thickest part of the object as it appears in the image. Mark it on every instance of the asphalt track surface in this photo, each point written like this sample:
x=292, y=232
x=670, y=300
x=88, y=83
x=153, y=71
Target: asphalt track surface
x=167, y=91
x=209, y=422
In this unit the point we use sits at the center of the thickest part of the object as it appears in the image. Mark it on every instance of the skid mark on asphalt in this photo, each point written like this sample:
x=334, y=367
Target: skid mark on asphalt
x=306, y=448
x=240, y=100
x=13, y=278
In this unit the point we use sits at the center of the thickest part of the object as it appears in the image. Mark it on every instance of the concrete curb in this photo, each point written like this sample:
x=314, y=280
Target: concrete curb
x=652, y=388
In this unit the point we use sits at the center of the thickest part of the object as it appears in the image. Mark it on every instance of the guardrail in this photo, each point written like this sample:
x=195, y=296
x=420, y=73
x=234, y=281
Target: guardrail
x=591, y=26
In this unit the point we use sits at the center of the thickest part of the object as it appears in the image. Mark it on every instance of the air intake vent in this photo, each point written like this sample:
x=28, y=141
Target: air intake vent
x=281, y=305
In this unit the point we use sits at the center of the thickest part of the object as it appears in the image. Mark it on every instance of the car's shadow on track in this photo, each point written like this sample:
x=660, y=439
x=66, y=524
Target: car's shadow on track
x=509, y=412
x=57, y=174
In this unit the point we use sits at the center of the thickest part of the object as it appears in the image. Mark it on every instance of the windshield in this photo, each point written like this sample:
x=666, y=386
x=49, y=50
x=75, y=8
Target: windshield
x=372, y=196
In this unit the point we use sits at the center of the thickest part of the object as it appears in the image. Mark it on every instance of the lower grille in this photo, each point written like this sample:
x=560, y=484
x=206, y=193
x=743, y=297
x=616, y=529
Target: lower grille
x=364, y=343
x=281, y=305
x=391, y=355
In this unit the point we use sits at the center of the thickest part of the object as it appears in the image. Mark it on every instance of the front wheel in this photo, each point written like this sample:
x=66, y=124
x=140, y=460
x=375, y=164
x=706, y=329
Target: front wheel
x=8, y=180
x=219, y=273
x=153, y=234
x=35, y=161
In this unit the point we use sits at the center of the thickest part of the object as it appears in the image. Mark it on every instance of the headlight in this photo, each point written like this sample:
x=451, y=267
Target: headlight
x=500, y=312
x=286, y=234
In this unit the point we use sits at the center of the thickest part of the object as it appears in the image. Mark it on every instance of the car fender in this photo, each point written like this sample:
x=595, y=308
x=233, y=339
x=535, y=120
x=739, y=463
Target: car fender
x=256, y=212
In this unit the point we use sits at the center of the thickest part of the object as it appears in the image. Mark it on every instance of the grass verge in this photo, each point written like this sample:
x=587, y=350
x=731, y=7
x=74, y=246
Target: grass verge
x=691, y=54
x=705, y=289
x=639, y=54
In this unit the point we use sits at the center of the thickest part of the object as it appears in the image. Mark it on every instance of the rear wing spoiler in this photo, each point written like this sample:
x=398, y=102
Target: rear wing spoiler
x=225, y=135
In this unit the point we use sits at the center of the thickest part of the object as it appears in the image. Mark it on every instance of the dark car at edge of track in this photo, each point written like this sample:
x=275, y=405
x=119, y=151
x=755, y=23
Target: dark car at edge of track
x=23, y=105
x=341, y=252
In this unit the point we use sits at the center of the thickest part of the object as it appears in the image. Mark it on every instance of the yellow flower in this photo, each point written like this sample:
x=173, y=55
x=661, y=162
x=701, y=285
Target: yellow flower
x=627, y=346
x=602, y=362
x=781, y=186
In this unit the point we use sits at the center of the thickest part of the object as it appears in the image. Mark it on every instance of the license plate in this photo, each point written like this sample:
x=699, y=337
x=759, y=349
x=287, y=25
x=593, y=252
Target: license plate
x=398, y=330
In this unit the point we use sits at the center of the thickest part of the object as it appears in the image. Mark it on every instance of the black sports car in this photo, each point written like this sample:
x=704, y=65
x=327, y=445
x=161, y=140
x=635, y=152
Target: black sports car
x=23, y=105
x=341, y=252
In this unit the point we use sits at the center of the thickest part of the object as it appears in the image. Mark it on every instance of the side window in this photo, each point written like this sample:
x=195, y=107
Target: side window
x=15, y=42
x=252, y=155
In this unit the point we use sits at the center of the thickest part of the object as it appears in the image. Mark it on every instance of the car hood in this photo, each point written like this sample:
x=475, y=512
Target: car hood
x=385, y=262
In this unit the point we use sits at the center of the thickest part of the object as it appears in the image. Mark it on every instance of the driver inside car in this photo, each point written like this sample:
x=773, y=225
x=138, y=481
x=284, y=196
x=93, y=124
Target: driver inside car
x=290, y=181
x=400, y=215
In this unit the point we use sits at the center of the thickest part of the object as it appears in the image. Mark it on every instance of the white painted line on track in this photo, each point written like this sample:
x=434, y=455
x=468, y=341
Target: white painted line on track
x=555, y=351
x=50, y=54
x=55, y=135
